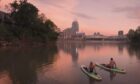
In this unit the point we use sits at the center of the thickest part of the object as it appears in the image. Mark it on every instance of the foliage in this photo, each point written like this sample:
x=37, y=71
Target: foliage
x=5, y=34
x=29, y=24
x=134, y=35
x=24, y=13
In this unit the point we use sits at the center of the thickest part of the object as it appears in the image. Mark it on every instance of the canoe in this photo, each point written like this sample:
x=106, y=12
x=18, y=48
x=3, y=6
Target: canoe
x=118, y=70
x=92, y=75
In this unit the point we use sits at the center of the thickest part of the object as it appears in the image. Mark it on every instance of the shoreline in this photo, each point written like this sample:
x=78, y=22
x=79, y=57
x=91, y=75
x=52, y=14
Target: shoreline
x=87, y=41
x=25, y=44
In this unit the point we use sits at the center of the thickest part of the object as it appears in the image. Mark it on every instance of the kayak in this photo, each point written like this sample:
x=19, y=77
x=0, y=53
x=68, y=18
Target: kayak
x=118, y=70
x=92, y=75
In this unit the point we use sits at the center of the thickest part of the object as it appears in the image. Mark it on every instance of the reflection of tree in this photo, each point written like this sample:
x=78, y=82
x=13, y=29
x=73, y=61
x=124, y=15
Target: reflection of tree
x=134, y=50
x=22, y=63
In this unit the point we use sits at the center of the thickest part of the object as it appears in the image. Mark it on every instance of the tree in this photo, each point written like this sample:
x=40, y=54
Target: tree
x=28, y=25
x=24, y=13
x=134, y=35
x=131, y=34
x=5, y=34
x=14, y=7
x=138, y=30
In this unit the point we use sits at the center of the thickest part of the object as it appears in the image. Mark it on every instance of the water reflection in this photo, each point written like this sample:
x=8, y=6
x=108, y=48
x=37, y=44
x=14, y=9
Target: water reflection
x=134, y=50
x=21, y=64
x=112, y=75
x=31, y=65
x=91, y=80
x=121, y=48
x=72, y=49
x=95, y=46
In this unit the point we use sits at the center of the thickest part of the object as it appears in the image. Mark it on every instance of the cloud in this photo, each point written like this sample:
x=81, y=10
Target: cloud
x=65, y=4
x=52, y=3
x=132, y=12
x=82, y=15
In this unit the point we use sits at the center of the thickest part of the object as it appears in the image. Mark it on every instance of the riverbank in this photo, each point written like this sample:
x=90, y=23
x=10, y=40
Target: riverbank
x=22, y=44
x=91, y=41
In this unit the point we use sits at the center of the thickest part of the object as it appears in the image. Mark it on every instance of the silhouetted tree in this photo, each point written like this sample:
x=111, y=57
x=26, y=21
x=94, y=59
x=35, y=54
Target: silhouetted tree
x=134, y=35
x=28, y=25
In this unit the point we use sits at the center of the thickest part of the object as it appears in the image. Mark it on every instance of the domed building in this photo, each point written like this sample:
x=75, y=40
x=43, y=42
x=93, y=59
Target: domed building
x=75, y=26
x=70, y=33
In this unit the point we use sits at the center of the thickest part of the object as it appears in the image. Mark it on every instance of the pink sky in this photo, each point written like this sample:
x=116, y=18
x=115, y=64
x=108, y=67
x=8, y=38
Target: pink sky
x=104, y=16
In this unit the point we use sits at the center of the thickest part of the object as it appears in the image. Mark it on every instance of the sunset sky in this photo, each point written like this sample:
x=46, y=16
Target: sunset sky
x=104, y=16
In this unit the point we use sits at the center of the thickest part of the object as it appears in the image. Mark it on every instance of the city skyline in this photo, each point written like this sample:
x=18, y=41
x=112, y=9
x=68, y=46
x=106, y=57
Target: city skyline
x=104, y=16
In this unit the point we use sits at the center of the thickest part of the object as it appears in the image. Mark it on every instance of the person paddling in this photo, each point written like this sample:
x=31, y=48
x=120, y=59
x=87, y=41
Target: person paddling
x=92, y=67
x=112, y=63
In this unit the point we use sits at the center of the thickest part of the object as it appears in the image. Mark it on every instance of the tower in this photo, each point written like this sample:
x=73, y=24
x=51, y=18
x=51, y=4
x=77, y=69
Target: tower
x=120, y=33
x=75, y=26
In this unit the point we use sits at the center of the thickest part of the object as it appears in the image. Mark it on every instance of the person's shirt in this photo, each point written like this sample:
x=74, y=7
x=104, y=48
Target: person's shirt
x=112, y=63
x=92, y=66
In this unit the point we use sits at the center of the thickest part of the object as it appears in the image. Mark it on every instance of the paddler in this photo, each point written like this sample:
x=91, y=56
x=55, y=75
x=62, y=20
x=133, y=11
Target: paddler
x=112, y=63
x=92, y=67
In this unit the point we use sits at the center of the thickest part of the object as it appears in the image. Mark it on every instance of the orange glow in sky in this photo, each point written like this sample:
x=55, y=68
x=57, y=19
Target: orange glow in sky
x=104, y=16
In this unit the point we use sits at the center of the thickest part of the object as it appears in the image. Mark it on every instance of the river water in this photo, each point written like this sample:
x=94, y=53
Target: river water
x=60, y=63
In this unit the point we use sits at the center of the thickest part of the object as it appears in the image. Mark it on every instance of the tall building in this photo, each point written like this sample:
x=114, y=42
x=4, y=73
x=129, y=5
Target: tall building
x=71, y=32
x=75, y=26
x=120, y=33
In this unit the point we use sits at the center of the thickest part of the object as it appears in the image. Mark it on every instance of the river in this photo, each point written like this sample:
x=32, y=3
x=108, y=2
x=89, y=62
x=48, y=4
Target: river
x=60, y=63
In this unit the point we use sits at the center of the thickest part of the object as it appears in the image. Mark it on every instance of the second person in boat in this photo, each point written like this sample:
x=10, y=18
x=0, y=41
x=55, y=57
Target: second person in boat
x=112, y=63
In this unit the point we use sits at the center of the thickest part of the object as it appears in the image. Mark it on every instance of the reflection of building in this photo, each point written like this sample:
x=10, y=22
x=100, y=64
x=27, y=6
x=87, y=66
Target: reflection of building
x=72, y=33
x=71, y=48
x=120, y=48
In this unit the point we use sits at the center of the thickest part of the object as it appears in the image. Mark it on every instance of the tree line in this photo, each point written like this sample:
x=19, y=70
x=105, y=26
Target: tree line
x=134, y=35
x=29, y=25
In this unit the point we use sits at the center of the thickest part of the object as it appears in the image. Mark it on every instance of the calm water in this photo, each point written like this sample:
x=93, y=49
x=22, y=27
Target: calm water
x=61, y=64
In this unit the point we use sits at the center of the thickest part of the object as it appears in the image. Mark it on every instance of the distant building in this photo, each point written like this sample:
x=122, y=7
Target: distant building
x=79, y=36
x=71, y=33
x=5, y=18
x=75, y=26
x=97, y=34
x=120, y=33
x=99, y=37
x=74, y=34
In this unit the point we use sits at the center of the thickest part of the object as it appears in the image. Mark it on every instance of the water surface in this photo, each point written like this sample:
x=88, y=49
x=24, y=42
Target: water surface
x=60, y=64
